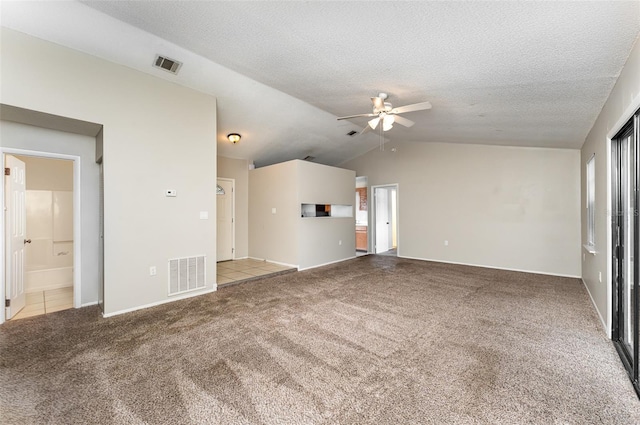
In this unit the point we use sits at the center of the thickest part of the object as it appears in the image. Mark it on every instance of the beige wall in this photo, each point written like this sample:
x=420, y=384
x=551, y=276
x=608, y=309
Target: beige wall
x=324, y=240
x=503, y=207
x=623, y=101
x=238, y=169
x=157, y=135
x=285, y=236
x=274, y=236
x=48, y=174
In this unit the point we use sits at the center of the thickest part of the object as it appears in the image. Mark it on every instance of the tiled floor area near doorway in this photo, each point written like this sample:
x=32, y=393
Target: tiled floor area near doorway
x=236, y=271
x=228, y=273
x=44, y=302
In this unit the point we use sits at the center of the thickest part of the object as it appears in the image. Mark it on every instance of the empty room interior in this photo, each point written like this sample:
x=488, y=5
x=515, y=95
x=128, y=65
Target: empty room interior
x=320, y=212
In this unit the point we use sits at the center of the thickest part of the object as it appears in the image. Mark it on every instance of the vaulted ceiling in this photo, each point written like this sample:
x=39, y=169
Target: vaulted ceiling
x=520, y=73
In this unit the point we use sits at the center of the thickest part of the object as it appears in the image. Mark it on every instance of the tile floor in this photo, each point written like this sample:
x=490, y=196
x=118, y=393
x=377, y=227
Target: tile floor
x=236, y=271
x=229, y=272
x=44, y=302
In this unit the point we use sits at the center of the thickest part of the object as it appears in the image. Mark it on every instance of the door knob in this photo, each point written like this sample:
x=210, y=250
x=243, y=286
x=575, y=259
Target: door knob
x=26, y=241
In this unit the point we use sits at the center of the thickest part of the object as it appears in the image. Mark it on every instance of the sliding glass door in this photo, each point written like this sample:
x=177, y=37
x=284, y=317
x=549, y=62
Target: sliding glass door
x=626, y=183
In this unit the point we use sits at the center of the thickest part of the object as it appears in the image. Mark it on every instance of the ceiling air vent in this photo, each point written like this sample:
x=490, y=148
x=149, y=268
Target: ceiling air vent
x=352, y=133
x=170, y=65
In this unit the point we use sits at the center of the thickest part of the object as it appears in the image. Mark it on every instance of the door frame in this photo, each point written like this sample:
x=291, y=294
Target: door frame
x=628, y=114
x=233, y=215
x=77, y=228
x=618, y=231
x=630, y=361
x=363, y=180
x=372, y=229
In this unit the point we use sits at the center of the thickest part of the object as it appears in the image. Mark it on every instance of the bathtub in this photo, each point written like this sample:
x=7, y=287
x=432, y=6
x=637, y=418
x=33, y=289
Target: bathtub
x=45, y=279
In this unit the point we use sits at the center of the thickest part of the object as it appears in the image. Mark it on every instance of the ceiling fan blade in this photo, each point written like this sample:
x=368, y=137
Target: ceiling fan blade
x=410, y=108
x=403, y=121
x=378, y=103
x=374, y=123
x=356, y=116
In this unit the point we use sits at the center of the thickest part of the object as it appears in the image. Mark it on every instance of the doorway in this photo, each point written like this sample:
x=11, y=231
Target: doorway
x=362, y=216
x=39, y=134
x=42, y=258
x=39, y=227
x=625, y=244
x=385, y=219
x=225, y=207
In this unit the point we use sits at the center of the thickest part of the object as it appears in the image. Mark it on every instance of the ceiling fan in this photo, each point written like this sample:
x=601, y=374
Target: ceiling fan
x=385, y=112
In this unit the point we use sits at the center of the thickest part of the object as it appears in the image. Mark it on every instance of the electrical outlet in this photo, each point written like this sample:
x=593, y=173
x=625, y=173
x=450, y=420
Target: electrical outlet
x=152, y=271
x=339, y=242
x=446, y=243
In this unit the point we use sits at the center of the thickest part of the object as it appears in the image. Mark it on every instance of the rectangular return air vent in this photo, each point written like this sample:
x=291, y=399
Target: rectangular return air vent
x=170, y=65
x=187, y=274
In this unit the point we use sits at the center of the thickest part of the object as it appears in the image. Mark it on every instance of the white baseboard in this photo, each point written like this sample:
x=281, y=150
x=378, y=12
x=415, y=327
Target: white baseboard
x=157, y=303
x=607, y=329
x=89, y=304
x=492, y=267
x=295, y=266
x=326, y=264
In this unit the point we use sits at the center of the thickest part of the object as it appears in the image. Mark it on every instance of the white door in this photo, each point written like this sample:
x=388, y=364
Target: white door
x=224, y=212
x=383, y=220
x=15, y=216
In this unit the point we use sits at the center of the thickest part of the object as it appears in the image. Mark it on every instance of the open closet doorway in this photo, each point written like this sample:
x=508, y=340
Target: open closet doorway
x=385, y=219
x=39, y=228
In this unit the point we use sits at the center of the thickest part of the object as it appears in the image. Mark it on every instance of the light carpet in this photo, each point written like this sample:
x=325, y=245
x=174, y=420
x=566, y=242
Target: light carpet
x=373, y=340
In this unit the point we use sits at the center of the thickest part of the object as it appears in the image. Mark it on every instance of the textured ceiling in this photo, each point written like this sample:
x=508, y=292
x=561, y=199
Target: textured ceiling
x=509, y=73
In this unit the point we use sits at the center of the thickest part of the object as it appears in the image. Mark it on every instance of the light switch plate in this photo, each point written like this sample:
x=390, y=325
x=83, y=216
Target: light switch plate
x=171, y=193
x=273, y=210
x=204, y=215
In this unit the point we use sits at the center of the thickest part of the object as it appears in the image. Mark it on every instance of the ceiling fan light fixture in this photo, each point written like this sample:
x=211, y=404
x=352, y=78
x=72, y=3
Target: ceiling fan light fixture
x=388, y=114
x=387, y=122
